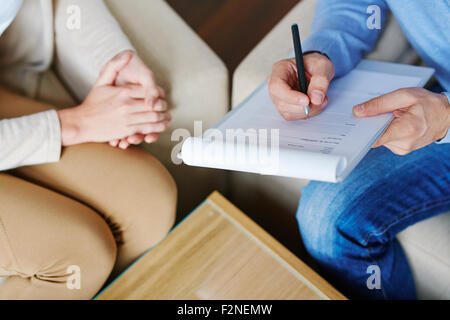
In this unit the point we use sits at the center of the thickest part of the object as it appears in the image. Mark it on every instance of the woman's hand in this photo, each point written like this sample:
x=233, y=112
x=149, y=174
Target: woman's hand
x=136, y=72
x=111, y=112
x=284, y=88
x=421, y=118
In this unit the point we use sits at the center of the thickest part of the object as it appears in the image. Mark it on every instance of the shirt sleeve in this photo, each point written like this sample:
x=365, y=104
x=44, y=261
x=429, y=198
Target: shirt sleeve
x=340, y=30
x=447, y=137
x=30, y=140
x=87, y=36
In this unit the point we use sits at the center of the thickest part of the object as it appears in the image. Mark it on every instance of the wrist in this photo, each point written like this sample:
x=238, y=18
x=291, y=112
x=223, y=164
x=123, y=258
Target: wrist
x=122, y=53
x=317, y=52
x=70, y=121
x=447, y=104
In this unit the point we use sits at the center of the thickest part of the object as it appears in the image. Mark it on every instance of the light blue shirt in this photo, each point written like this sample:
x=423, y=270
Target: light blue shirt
x=8, y=11
x=340, y=30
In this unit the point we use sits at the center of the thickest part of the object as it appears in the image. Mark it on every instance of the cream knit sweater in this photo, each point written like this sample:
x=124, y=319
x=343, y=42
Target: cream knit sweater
x=77, y=37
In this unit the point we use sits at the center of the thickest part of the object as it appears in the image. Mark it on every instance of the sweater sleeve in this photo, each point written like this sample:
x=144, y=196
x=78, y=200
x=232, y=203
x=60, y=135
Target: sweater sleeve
x=30, y=140
x=8, y=12
x=340, y=30
x=87, y=36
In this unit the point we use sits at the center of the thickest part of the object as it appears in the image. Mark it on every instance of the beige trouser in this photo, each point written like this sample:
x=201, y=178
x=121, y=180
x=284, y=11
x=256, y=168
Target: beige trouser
x=99, y=208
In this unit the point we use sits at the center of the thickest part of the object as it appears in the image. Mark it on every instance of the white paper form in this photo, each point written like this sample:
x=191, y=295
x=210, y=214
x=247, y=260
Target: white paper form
x=326, y=147
x=336, y=130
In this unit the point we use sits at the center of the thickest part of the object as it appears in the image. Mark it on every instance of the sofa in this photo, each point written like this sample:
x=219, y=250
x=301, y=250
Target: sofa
x=272, y=201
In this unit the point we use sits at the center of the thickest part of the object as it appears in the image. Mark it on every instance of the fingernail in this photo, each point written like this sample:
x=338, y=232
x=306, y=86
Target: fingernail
x=303, y=102
x=123, y=145
x=158, y=106
x=317, y=97
x=359, y=109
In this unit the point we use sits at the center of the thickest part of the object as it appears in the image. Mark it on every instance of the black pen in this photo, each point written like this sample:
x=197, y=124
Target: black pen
x=300, y=65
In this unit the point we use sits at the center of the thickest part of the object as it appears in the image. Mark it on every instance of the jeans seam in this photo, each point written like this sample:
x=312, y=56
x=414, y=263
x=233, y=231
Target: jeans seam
x=406, y=214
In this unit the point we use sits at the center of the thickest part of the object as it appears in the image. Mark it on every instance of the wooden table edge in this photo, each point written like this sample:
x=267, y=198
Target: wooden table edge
x=309, y=276
x=228, y=210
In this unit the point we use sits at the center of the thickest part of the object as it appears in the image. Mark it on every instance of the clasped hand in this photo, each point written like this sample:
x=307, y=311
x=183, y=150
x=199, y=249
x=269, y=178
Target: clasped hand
x=125, y=106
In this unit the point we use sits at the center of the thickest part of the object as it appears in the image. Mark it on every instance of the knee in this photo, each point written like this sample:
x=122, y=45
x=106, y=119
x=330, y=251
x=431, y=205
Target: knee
x=323, y=209
x=163, y=203
x=93, y=254
x=153, y=211
x=79, y=255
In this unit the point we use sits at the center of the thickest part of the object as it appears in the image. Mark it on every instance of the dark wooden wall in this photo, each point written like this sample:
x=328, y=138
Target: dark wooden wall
x=232, y=27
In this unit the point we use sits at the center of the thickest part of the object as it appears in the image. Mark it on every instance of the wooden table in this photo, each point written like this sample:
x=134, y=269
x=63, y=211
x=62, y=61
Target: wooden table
x=217, y=252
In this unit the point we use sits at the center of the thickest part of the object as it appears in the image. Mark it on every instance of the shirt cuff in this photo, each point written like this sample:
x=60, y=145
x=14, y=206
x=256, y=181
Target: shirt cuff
x=30, y=140
x=446, y=139
x=54, y=136
x=323, y=43
x=108, y=51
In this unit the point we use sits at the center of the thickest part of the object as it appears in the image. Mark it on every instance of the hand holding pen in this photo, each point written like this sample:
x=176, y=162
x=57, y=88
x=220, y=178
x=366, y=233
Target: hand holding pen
x=288, y=84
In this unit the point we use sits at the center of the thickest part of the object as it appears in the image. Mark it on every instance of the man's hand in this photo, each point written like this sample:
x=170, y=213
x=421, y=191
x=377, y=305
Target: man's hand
x=137, y=73
x=421, y=118
x=284, y=88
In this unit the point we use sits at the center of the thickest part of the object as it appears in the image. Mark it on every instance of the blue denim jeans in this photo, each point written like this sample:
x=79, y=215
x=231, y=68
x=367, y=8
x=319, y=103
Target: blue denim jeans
x=350, y=226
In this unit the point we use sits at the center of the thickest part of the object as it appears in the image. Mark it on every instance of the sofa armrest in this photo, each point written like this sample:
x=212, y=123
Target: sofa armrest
x=393, y=45
x=277, y=45
x=195, y=79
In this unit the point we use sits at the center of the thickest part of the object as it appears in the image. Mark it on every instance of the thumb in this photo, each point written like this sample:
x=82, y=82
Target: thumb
x=394, y=132
x=386, y=103
x=317, y=89
x=110, y=71
x=321, y=73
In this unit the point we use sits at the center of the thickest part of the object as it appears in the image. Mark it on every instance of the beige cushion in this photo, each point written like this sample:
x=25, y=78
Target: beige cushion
x=427, y=246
